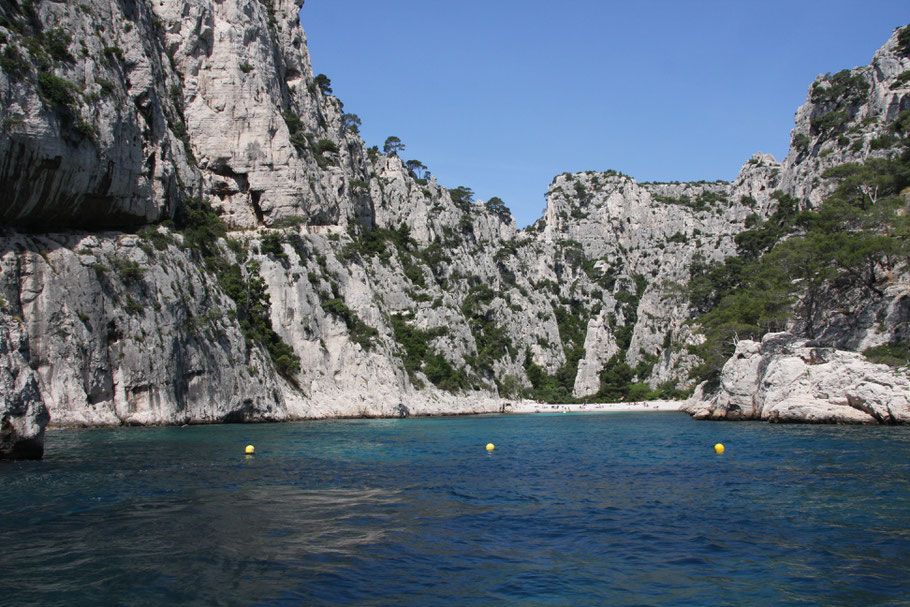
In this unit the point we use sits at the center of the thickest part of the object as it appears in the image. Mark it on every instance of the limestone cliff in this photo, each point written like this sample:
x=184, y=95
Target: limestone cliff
x=193, y=231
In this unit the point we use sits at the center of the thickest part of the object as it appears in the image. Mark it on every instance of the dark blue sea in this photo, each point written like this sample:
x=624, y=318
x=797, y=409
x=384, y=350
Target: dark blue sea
x=569, y=509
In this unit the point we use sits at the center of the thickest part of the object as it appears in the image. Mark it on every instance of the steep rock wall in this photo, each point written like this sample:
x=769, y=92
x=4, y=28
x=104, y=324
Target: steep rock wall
x=87, y=118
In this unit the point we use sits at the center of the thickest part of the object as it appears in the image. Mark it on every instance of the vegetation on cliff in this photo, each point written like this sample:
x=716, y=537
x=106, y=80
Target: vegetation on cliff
x=789, y=267
x=202, y=228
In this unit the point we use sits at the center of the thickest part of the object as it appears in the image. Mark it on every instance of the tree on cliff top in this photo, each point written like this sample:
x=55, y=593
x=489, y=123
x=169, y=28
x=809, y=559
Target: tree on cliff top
x=392, y=145
x=325, y=85
x=499, y=208
x=416, y=167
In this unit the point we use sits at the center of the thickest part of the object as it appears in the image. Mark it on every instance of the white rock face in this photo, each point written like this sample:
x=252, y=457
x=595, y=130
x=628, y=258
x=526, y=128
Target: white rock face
x=127, y=334
x=600, y=346
x=784, y=379
x=23, y=415
x=246, y=77
x=102, y=153
x=170, y=99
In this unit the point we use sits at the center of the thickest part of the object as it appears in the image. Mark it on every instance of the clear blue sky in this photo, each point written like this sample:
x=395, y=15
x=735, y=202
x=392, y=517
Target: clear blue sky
x=501, y=95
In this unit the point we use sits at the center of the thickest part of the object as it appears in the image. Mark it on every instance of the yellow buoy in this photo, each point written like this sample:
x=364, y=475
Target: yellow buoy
x=250, y=449
x=718, y=448
x=490, y=446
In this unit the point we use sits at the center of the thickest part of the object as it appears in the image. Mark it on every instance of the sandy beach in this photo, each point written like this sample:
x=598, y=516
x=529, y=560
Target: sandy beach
x=528, y=406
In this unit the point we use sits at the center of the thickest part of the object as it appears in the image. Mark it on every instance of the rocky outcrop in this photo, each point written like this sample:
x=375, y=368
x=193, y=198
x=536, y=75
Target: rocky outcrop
x=785, y=379
x=23, y=415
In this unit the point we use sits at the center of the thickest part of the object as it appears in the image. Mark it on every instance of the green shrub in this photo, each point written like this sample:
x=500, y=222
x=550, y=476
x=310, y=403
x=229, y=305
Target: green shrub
x=320, y=149
x=201, y=226
x=289, y=222
x=903, y=40
x=544, y=386
x=132, y=307
x=238, y=248
x=253, y=305
x=580, y=190
x=683, y=201
x=323, y=83
x=361, y=333
x=638, y=392
x=393, y=146
x=159, y=240
x=443, y=375
x=901, y=124
x=491, y=339
x=113, y=52
x=39, y=55
x=107, y=87
x=843, y=88
x=800, y=142
x=894, y=354
x=462, y=196
x=358, y=185
x=883, y=141
x=830, y=121
x=326, y=146
x=417, y=353
x=292, y=120
x=128, y=270
x=496, y=206
x=789, y=266
x=58, y=92
x=13, y=63
x=295, y=129
x=272, y=244
x=12, y=123
x=85, y=128
x=901, y=80
x=57, y=43
x=350, y=123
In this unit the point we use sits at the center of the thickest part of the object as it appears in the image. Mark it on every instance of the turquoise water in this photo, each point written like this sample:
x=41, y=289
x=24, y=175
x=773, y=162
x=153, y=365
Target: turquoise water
x=587, y=509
